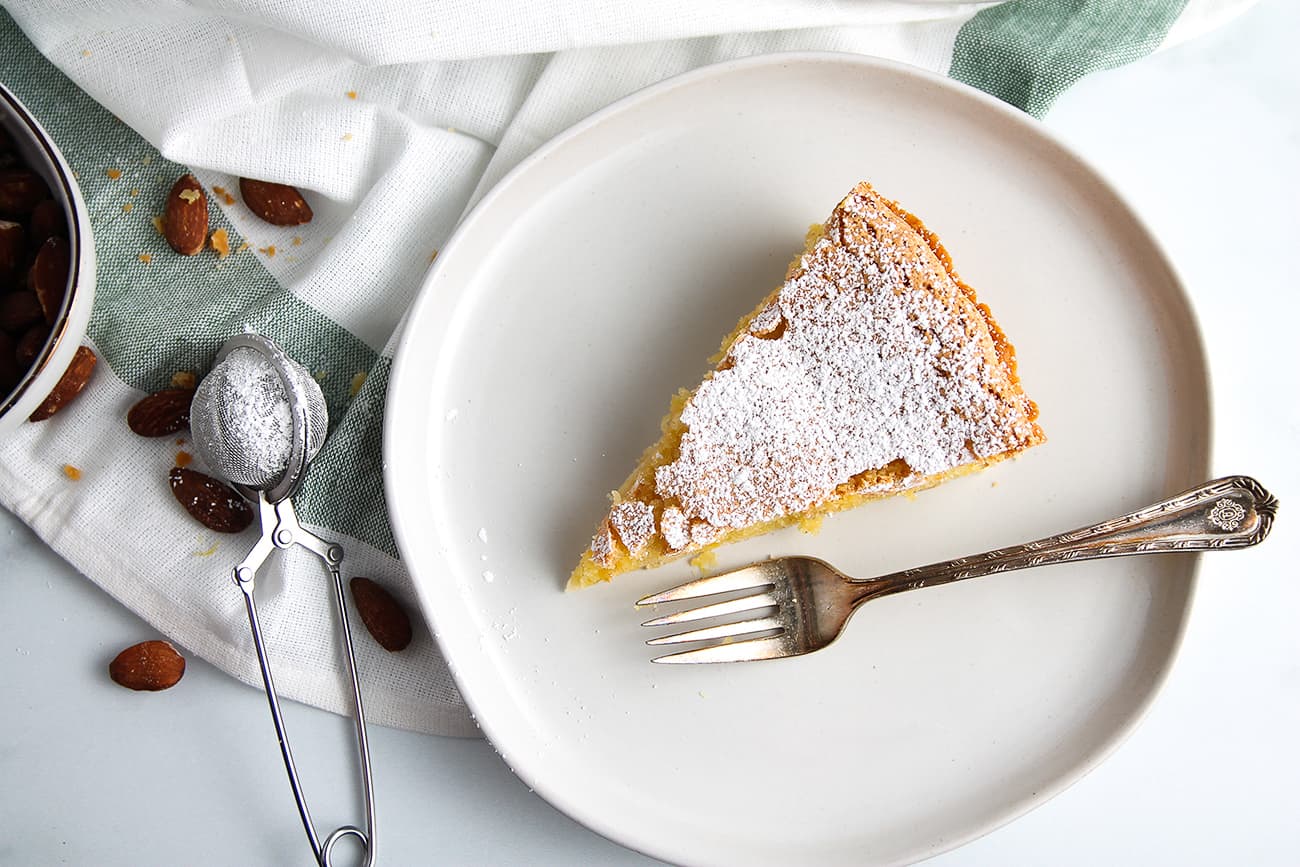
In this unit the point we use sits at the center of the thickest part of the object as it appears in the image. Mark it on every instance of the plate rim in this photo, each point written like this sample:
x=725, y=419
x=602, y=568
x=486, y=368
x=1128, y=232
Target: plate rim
x=395, y=480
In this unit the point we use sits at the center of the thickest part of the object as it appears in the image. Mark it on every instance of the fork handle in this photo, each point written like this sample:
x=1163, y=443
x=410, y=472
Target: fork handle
x=1232, y=512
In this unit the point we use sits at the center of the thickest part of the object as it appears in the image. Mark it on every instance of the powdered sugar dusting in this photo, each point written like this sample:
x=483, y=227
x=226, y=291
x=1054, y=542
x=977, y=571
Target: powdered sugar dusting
x=602, y=544
x=634, y=521
x=766, y=321
x=675, y=528
x=254, y=414
x=882, y=358
x=870, y=353
x=703, y=533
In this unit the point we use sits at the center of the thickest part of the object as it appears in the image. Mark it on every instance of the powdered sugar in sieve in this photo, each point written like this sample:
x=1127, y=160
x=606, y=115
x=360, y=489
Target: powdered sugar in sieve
x=242, y=417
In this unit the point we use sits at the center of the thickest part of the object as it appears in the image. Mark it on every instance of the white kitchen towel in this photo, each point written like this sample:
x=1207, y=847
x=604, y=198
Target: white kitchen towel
x=393, y=117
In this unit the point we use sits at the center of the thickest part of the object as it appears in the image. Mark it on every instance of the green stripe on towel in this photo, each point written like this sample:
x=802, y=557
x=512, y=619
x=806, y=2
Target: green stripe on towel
x=171, y=313
x=1028, y=52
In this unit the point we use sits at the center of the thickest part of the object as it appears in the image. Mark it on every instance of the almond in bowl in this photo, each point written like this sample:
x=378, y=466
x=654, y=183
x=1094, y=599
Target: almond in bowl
x=47, y=272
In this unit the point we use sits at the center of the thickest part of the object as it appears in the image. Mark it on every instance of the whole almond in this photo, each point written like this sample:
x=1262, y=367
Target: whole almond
x=149, y=665
x=185, y=217
x=29, y=345
x=10, y=372
x=49, y=276
x=278, y=204
x=48, y=221
x=13, y=249
x=383, y=615
x=161, y=413
x=19, y=310
x=212, y=503
x=20, y=192
x=73, y=381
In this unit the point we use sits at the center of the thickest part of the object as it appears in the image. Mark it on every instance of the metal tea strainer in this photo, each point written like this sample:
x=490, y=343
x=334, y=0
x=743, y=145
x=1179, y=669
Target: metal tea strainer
x=258, y=419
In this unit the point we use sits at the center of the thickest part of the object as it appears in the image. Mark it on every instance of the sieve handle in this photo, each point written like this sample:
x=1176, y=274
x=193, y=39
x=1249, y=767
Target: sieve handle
x=276, y=717
x=284, y=532
x=333, y=555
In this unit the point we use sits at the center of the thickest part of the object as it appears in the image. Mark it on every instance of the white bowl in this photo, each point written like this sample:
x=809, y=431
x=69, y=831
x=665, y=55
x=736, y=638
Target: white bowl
x=42, y=157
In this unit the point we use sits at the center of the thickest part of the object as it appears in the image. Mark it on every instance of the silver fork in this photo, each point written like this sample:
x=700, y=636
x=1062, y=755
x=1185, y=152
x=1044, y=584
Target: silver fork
x=795, y=605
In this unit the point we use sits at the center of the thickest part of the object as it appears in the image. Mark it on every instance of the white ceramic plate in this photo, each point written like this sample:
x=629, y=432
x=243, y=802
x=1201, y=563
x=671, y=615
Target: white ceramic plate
x=598, y=277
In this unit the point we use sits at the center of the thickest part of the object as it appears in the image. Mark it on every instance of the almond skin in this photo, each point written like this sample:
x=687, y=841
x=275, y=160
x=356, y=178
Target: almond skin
x=161, y=413
x=212, y=503
x=383, y=615
x=185, y=218
x=149, y=665
x=20, y=192
x=49, y=276
x=10, y=372
x=48, y=221
x=13, y=250
x=73, y=381
x=277, y=204
x=19, y=310
x=29, y=345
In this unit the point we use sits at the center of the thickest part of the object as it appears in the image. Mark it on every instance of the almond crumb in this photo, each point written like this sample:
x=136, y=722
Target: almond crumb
x=180, y=441
x=221, y=242
x=135, y=192
x=358, y=380
x=705, y=560
x=347, y=136
x=85, y=52
x=113, y=174
x=297, y=240
x=190, y=196
x=182, y=379
x=224, y=195
x=183, y=459
x=148, y=158
x=351, y=94
x=146, y=258
x=320, y=375
x=157, y=224
x=269, y=250
x=242, y=247
x=127, y=208
x=72, y=472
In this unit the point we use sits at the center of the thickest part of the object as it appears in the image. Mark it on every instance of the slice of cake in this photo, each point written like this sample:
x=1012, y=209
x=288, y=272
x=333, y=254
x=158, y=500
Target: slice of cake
x=871, y=370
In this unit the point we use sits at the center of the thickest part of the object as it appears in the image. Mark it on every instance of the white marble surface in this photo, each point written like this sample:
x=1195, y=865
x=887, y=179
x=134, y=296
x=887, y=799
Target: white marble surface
x=1205, y=140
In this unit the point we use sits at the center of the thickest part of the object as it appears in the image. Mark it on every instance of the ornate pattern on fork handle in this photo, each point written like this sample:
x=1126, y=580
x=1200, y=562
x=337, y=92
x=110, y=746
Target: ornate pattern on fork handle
x=1232, y=512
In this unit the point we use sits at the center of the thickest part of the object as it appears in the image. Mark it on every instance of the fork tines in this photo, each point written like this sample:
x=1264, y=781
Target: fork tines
x=744, y=578
x=722, y=648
